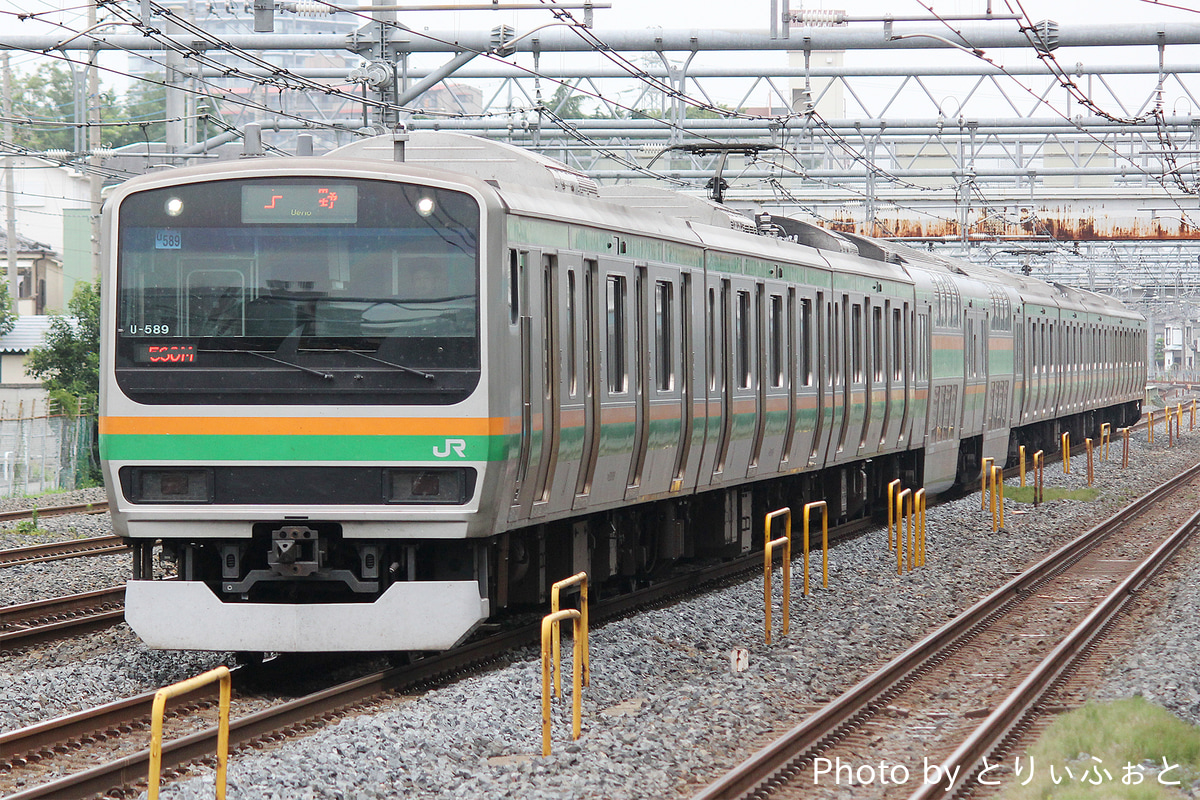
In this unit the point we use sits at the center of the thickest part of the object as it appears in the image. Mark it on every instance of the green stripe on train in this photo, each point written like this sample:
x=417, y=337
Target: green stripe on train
x=180, y=447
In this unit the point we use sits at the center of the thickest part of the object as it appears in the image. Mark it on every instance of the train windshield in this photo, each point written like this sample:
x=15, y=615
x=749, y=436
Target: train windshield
x=298, y=290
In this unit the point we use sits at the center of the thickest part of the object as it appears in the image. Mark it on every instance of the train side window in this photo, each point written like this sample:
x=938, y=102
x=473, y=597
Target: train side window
x=711, y=336
x=897, y=345
x=877, y=344
x=663, y=335
x=572, y=326
x=742, y=326
x=775, y=331
x=806, y=342
x=618, y=377
x=515, y=261
x=856, y=335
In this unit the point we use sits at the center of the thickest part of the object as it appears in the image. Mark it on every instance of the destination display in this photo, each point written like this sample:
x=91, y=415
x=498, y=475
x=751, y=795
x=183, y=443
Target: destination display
x=299, y=203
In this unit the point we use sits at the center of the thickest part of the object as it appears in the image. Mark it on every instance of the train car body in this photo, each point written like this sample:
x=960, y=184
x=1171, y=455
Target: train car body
x=366, y=402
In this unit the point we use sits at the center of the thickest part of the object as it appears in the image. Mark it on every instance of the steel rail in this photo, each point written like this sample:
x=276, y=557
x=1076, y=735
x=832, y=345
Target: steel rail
x=55, y=551
x=777, y=757
x=42, y=620
x=302, y=711
x=1020, y=703
x=55, y=511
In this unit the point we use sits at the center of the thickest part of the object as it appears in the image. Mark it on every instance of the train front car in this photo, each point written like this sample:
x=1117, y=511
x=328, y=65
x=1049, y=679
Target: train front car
x=294, y=404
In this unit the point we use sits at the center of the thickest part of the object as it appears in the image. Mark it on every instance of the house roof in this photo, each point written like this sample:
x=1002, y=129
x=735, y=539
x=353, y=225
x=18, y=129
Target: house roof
x=24, y=244
x=28, y=333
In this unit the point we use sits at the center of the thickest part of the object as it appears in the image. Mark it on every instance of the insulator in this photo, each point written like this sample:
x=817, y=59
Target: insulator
x=102, y=152
x=61, y=155
x=309, y=8
x=819, y=18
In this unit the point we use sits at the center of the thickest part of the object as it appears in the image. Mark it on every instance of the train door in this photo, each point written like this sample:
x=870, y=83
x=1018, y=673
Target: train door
x=716, y=347
x=590, y=374
x=691, y=388
x=566, y=396
x=535, y=274
x=761, y=373
x=876, y=399
x=974, y=376
x=617, y=385
x=896, y=376
x=662, y=407
x=792, y=367
x=818, y=400
x=742, y=400
x=836, y=381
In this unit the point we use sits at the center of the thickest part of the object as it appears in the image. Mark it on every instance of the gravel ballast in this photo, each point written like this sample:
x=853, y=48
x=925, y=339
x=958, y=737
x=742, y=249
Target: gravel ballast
x=663, y=714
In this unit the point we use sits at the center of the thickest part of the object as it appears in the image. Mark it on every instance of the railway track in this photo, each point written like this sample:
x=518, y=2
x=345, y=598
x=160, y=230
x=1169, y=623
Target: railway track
x=994, y=662
x=35, y=748
x=71, y=615
x=53, y=551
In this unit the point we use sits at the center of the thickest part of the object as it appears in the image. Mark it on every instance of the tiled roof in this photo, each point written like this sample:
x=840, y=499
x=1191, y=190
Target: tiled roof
x=29, y=332
x=24, y=244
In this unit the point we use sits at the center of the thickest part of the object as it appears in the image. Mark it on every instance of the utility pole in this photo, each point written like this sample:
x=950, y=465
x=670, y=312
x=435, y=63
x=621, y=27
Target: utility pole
x=93, y=160
x=10, y=192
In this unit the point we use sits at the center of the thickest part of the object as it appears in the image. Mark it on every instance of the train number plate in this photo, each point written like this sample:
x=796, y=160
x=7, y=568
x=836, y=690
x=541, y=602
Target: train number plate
x=168, y=240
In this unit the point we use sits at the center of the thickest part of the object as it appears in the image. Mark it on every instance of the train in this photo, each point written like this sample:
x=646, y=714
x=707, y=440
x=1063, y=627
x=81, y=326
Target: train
x=366, y=400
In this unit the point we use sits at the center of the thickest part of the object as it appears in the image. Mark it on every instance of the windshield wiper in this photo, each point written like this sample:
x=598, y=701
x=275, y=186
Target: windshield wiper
x=323, y=375
x=429, y=376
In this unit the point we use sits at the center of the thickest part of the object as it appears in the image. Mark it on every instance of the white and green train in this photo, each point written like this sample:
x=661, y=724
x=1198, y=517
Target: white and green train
x=366, y=400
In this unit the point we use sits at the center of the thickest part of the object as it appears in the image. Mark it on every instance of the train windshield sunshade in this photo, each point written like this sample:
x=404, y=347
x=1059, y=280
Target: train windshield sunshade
x=293, y=289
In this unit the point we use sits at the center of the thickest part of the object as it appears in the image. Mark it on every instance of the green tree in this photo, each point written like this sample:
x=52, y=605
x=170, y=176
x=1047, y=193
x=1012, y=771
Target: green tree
x=566, y=103
x=69, y=365
x=69, y=362
x=44, y=108
x=8, y=317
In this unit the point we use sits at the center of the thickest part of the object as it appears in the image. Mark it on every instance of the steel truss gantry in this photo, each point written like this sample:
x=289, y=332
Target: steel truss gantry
x=952, y=149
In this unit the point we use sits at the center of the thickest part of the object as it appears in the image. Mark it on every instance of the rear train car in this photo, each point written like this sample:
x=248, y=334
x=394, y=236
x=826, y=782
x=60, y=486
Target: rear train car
x=366, y=400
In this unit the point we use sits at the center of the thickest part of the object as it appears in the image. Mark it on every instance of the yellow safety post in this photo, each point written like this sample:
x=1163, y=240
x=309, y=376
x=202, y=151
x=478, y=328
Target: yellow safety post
x=1021, y=450
x=1150, y=420
x=1039, y=466
x=919, y=499
x=998, y=492
x=1105, y=440
x=809, y=508
x=1179, y=420
x=983, y=479
x=582, y=580
x=768, y=553
x=900, y=498
x=1170, y=432
x=893, y=487
x=156, y=725
x=1192, y=423
x=549, y=623
x=1066, y=453
x=1125, y=451
x=1089, y=454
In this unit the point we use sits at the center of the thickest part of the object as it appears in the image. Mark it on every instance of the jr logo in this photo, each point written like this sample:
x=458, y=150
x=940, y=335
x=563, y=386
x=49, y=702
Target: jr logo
x=456, y=446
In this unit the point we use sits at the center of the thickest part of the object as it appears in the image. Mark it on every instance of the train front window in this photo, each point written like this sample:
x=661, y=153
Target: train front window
x=298, y=290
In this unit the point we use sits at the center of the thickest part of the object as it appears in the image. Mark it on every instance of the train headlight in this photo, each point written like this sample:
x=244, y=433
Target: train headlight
x=425, y=206
x=447, y=486
x=174, y=207
x=167, y=484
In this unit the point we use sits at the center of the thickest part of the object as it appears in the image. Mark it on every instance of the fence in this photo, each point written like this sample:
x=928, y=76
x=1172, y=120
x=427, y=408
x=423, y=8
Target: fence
x=43, y=449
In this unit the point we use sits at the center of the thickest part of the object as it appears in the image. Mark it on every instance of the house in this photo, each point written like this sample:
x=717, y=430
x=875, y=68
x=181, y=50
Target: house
x=40, y=282
x=17, y=387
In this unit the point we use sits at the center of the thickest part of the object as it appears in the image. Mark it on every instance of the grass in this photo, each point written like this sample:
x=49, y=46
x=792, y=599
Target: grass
x=1024, y=494
x=1126, y=732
